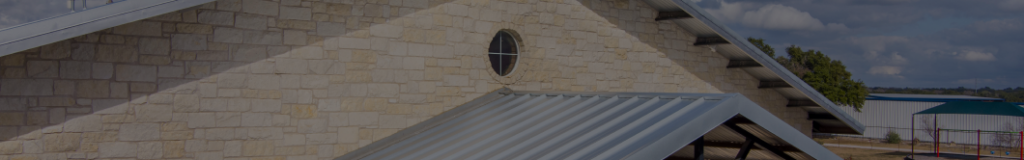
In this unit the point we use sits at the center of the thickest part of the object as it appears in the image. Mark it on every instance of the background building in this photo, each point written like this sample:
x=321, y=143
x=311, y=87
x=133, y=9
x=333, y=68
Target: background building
x=884, y=112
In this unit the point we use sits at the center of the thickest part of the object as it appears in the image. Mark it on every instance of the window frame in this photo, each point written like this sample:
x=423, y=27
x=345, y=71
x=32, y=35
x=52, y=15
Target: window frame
x=518, y=50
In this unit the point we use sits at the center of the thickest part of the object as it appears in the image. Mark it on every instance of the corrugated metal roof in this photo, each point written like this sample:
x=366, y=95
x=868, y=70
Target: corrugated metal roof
x=702, y=24
x=928, y=97
x=50, y=30
x=549, y=125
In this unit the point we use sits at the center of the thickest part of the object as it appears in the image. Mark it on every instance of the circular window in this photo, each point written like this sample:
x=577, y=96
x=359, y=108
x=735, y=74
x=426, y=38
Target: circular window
x=503, y=53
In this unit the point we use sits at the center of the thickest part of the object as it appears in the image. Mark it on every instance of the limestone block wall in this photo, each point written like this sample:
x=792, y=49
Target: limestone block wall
x=315, y=79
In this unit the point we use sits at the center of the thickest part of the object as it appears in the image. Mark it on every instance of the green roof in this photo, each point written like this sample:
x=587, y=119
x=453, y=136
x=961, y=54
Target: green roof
x=976, y=107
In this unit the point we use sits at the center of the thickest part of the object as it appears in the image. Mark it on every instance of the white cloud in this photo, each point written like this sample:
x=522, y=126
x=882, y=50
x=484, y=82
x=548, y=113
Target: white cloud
x=886, y=70
x=976, y=56
x=772, y=16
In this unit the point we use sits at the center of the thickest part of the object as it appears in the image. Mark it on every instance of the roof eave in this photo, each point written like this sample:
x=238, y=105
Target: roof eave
x=55, y=29
x=768, y=62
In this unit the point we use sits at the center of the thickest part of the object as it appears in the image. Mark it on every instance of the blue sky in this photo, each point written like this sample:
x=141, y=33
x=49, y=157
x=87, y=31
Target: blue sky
x=894, y=43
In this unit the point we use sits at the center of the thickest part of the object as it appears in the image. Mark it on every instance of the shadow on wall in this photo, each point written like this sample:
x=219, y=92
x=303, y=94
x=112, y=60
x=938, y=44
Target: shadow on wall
x=83, y=89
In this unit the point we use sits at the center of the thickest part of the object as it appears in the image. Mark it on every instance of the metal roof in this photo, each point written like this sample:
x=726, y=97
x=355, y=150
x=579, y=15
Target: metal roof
x=552, y=125
x=739, y=49
x=929, y=97
x=50, y=30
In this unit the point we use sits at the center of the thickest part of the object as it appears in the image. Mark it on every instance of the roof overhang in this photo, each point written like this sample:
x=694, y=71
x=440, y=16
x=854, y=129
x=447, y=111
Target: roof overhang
x=571, y=125
x=743, y=55
x=54, y=29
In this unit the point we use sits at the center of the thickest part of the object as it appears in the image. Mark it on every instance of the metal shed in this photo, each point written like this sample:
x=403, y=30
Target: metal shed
x=557, y=125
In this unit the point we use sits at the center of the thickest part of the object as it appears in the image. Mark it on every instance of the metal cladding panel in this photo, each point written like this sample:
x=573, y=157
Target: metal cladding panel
x=882, y=116
x=545, y=125
x=50, y=30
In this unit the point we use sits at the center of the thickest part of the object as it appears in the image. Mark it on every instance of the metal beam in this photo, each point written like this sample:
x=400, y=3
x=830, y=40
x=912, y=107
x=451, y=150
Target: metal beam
x=743, y=64
x=764, y=144
x=773, y=84
x=672, y=15
x=801, y=103
x=710, y=40
x=698, y=148
x=745, y=150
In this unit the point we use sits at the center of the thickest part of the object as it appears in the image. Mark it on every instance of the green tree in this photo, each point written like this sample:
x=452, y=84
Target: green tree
x=827, y=76
x=764, y=47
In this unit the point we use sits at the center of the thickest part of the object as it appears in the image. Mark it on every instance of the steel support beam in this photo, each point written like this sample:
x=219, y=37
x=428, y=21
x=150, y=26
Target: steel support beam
x=698, y=148
x=710, y=40
x=672, y=15
x=773, y=84
x=764, y=144
x=745, y=150
x=743, y=64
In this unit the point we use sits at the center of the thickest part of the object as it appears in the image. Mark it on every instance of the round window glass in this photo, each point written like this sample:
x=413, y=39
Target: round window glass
x=503, y=53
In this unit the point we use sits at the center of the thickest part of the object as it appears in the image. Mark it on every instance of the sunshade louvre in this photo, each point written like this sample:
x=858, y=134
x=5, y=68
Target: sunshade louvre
x=976, y=107
x=539, y=125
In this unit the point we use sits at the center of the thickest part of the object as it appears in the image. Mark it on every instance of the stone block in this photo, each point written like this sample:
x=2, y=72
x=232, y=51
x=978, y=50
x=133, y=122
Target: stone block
x=363, y=118
x=193, y=29
x=139, y=28
x=250, y=21
x=326, y=67
x=298, y=13
x=150, y=150
x=55, y=101
x=265, y=133
x=220, y=134
x=264, y=81
x=58, y=50
x=330, y=29
x=456, y=80
x=93, y=89
x=118, y=150
x=231, y=80
x=353, y=43
x=256, y=119
x=266, y=105
x=295, y=37
x=154, y=60
x=383, y=90
x=155, y=46
x=10, y=147
x=293, y=140
x=75, y=70
x=13, y=104
x=216, y=17
x=228, y=119
x=294, y=66
x=201, y=120
x=188, y=42
x=392, y=121
x=421, y=50
x=257, y=148
x=173, y=149
x=119, y=90
x=213, y=104
x=386, y=30
x=153, y=113
x=138, y=73
x=413, y=63
x=321, y=138
x=110, y=106
x=312, y=125
x=307, y=52
x=43, y=69
x=139, y=132
x=26, y=87
x=314, y=81
x=116, y=53
x=85, y=123
x=233, y=148
x=303, y=111
x=348, y=135
x=102, y=70
x=12, y=118
x=338, y=119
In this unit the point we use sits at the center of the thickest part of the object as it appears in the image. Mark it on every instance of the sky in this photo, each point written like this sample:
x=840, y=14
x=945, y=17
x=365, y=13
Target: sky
x=894, y=43
x=885, y=43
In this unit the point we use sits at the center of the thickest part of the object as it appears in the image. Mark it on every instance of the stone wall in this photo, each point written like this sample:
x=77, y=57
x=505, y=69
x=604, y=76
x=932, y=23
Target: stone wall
x=315, y=79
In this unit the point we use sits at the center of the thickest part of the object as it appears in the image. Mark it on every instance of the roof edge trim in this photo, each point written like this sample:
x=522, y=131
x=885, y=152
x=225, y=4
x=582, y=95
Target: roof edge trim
x=50, y=30
x=770, y=63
